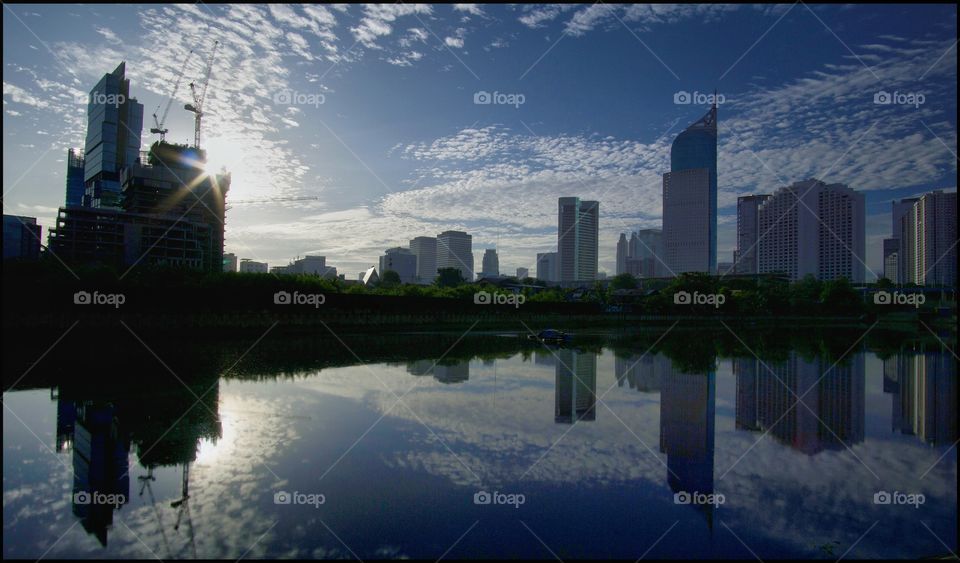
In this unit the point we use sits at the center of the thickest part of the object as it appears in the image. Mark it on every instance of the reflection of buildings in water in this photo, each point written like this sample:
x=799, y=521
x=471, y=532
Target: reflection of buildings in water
x=925, y=399
x=452, y=373
x=575, y=393
x=832, y=413
x=687, y=402
x=100, y=434
x=643, y=373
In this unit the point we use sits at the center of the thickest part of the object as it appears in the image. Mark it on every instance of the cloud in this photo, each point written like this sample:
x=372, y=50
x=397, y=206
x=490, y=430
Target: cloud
x=378, y=18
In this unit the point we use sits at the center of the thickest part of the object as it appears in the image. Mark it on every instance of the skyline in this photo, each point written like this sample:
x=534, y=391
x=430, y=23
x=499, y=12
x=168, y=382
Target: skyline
x=419, y=157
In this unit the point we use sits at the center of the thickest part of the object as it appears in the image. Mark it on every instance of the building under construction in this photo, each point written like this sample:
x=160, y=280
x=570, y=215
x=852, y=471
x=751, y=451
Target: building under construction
x=172, y=214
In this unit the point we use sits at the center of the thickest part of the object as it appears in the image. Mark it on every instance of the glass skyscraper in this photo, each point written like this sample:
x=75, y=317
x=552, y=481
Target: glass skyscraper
x=690, y=198
x=114, y=123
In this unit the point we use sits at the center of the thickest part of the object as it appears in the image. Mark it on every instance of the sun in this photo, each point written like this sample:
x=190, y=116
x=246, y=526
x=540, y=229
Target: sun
x=222, y=153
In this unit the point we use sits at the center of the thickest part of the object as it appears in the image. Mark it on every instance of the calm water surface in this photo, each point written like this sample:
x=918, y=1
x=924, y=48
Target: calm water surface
x=531, y=451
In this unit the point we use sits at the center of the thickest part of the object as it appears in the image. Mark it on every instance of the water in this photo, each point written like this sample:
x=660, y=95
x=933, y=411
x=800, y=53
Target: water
x=581, y=452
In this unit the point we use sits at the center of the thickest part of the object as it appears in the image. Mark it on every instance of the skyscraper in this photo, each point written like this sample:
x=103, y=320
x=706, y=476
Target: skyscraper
x=575, y=393
x=75, y=185
x=894, y=268
x=455, y=250
x=425, y=249
x=402, y=261
x=114, y=123
x=547, y=266
x=623, y=251
x=491, y=263
x=577, y=239
x=523, y=273
x=928, y=240
x=810, y=227
x=748, y=232
x=690, y=199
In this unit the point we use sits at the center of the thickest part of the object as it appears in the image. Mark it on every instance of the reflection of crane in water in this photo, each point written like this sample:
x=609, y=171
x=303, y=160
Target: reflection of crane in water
x=183, y=504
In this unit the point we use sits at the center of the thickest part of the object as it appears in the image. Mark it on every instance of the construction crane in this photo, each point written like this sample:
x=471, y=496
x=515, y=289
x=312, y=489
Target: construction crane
x=198, y=97
x=159, y=129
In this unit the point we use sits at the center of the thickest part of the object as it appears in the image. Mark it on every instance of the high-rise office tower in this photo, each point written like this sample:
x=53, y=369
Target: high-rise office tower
x=455, y=250
x=690, y=199
x=577, y=239
x=575, y=394
x=748, y=232
x=623, y=251
x=813, y=228
x=425, y=249
x=75, y=185
x=894, y=269
x=402, y=261
x=491, y=263
x=114, y=123
x=547, y=266
x=928, y=240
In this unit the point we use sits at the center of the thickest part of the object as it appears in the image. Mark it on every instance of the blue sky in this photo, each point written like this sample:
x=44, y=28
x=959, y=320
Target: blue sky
x=371, y=108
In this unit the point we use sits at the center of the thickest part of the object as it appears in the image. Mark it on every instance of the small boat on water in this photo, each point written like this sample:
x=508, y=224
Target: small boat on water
x=551, y=336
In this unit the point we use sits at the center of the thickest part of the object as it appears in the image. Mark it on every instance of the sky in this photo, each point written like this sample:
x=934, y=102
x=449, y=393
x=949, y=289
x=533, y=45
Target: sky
x=376, y=113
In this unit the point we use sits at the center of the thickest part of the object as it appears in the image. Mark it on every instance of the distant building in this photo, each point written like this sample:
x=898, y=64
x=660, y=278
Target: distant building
x=928, y=240
x=522, y=273
x=547, y=267
x=748, y=232
x=230, y=263
x=891, y=259
x=248, y=266
x=281, y=270
x=114, y=123
x=75, y=184
x=370, y=276
x=690, y=199
x=21, y=238
x=425, y=249
x=455, y=250
x=623, y=251
x=645, y=254
x=578, y=226
x=724, y=268
x=813, y=228
x=491, y=264
x=402, y=261
x=575, y=391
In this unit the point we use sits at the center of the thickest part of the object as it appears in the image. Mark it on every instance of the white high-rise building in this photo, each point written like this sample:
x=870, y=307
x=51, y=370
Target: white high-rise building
x=748, y=233
x=813, y=228
x=491, y=263
x=455, y=250
x=547, y=266
x=425, y=249
x=402, y=261
x=928, y=240
x=577, y=239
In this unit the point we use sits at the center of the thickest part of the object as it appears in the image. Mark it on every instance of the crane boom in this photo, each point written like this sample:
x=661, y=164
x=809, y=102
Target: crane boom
x=197, y=106
x=176, y=87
